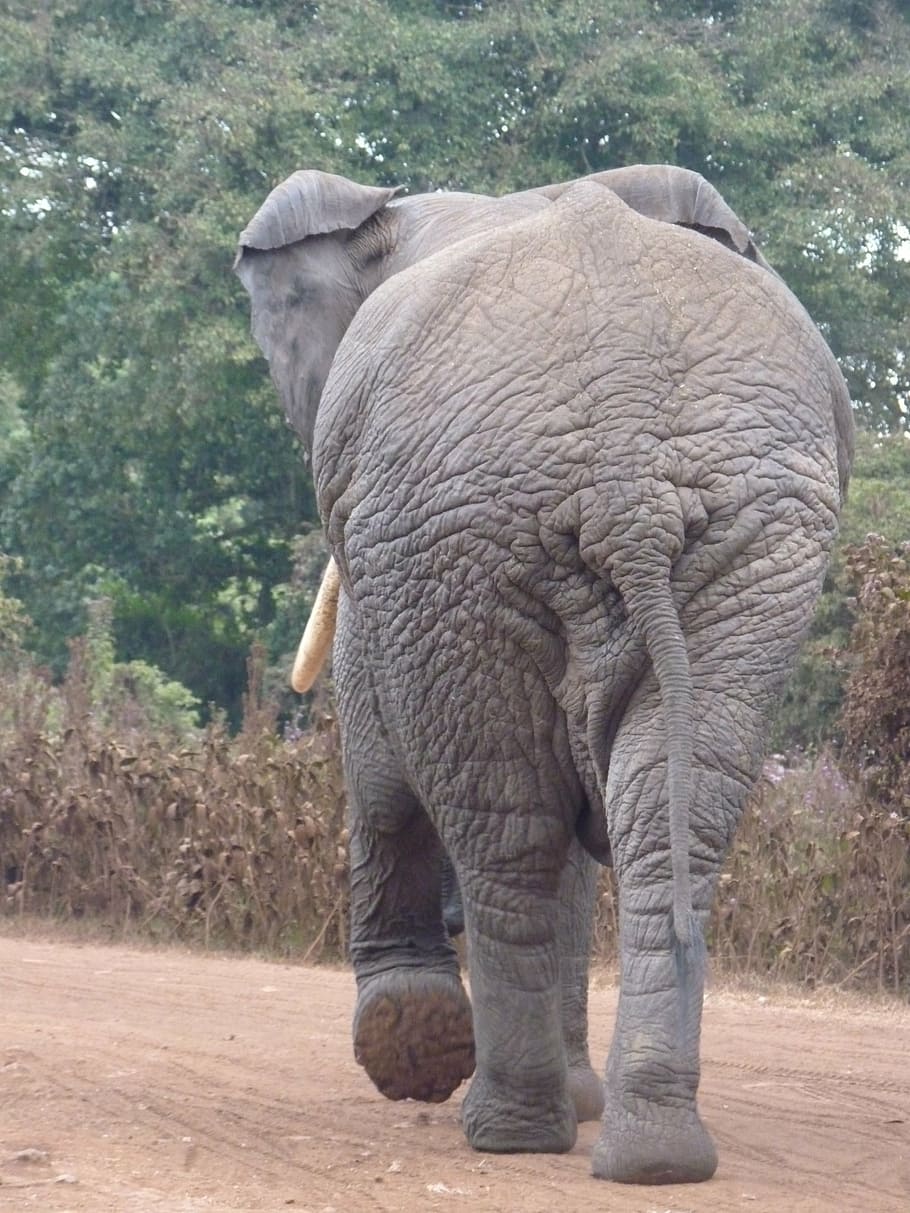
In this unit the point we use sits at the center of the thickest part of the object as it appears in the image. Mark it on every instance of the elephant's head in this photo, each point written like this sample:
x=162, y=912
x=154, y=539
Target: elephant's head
x=308, y=259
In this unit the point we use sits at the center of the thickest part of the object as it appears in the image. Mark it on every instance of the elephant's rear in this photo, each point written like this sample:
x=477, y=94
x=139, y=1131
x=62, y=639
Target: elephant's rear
x=518, y=435
x=582, y=481
x=580, y=477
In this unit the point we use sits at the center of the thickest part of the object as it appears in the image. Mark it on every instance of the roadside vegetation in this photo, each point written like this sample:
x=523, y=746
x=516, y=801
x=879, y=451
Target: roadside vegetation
x=157, y=525
x=117, y=809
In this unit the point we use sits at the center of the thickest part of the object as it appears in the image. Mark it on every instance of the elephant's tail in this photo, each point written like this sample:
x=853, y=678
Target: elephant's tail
x=654, y=612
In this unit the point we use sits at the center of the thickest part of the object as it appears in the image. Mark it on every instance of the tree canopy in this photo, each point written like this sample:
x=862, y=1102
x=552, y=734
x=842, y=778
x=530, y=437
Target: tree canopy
x=142, y=453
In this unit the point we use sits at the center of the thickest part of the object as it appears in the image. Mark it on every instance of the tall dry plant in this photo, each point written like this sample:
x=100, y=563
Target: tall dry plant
x=816, y=888
x=241, y=841
x=228, y=841
x=875, y=717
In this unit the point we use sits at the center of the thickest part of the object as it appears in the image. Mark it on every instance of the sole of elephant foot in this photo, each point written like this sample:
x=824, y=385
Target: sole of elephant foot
x=519, y=1125
x=414, y=1035
x=586, y=1091
x=642, y=1154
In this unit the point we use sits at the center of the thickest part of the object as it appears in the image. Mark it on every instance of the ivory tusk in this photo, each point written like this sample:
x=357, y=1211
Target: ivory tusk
x=319, y=632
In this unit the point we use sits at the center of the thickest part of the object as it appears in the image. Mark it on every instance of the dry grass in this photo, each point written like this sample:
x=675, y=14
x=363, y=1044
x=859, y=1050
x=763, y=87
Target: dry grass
x=240, y=842
x=223, y=841
x=815, y=891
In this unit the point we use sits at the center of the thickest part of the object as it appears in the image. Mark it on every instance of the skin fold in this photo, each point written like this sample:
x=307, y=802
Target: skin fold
x=579, y=454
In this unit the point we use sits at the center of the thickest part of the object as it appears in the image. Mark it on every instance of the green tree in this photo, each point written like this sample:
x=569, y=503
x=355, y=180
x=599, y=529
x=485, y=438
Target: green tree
x=798, y=110
x=142, y=453
x=14, y=622
x=156, y=469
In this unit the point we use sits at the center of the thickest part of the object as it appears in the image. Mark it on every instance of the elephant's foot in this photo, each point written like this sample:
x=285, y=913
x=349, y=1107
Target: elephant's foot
x=586, y=1091
x=414, y=1034
x=659, y=1150
x=496, y=1122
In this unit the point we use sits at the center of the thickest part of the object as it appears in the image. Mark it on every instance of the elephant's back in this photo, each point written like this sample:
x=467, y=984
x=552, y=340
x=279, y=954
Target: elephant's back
x=585, y=345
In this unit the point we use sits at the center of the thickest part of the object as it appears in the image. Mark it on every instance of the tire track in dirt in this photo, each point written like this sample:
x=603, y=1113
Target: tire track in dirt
x=774, y=1073
x=165, y=1082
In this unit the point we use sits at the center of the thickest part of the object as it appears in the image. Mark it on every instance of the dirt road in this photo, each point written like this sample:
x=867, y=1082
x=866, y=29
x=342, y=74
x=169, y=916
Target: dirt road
x=162, y=1081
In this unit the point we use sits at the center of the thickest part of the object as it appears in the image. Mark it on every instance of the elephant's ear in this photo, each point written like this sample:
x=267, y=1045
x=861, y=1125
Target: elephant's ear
x=673, y=195
x=311, y=203
x=678, y=195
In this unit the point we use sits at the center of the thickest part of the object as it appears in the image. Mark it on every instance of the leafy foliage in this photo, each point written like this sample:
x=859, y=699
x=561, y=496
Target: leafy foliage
x=14, y=622
x=142, y=454
x=156, y=470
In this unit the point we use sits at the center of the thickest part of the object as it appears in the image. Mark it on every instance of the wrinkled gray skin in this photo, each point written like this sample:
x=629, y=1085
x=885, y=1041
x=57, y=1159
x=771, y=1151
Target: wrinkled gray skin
x=579, y=454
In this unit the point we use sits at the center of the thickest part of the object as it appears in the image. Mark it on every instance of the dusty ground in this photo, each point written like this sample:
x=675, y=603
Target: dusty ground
x=147, y=1080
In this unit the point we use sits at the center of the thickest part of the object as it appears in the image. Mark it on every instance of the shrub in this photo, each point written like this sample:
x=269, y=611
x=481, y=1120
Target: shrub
x=232, y=841
x=114, y=814
x=875, y=717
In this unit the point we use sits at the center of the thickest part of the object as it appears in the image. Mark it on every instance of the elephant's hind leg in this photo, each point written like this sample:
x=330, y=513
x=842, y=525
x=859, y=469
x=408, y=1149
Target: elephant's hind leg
x=520, y=1100
x=652, y=1131
x=742, y=634
x=577, y=897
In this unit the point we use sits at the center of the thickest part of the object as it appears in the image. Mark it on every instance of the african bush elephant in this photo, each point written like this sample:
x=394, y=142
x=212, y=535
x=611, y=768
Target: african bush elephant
x=579, y=454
